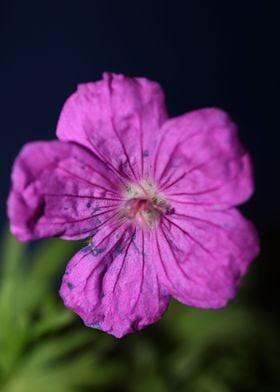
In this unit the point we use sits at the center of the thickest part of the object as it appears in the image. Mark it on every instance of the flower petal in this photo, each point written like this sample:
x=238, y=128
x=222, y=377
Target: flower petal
x=60, y=189
x=203, y=255
x=117, y=118
x=199, y=160
x=112, y=285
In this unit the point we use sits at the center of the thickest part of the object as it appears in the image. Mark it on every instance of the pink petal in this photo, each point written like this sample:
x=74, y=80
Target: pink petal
x=203, y=255
x=118, y=119
x=59, y=189
x=112, y=285
x=199, y=160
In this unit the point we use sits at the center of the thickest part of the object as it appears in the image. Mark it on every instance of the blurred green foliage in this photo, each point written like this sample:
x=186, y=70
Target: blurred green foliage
x=45, y=347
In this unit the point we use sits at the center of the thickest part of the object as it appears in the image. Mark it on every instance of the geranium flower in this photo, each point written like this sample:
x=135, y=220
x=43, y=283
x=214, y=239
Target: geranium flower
x=155, y=196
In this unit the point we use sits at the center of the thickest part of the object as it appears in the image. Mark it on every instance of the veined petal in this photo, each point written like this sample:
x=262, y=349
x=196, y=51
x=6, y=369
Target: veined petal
x=118, y=119
x=59, y=189
x=200, y=160
x=203, y=255
x=112, y=285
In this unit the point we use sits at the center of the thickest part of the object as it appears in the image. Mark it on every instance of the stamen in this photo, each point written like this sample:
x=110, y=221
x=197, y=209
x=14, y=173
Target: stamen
x=144, y=204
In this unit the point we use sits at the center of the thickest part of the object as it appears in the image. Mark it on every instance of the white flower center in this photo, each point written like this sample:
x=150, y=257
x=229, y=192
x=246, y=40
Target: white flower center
x=144, y=204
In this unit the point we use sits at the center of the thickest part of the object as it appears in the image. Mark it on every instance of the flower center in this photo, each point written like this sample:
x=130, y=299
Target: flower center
x=144, y=204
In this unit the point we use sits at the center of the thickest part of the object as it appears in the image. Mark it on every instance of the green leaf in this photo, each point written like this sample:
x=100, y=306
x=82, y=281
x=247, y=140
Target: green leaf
x=49, y=258
x=13, y=322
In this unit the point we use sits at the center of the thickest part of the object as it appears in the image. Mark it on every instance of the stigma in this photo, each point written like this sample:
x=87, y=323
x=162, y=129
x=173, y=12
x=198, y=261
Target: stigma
x=144, y=204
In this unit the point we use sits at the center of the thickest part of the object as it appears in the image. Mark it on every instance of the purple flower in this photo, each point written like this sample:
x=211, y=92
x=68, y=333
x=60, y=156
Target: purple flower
x=155, y=196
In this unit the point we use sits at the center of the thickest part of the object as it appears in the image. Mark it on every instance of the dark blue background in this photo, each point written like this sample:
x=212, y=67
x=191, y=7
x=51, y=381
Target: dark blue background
x=203, y=53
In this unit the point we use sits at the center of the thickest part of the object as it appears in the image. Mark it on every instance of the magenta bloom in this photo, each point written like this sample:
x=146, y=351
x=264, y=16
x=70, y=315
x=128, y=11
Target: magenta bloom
x=155, y=196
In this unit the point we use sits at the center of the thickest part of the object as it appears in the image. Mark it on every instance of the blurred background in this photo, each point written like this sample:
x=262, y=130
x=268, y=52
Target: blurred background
x=203, y=53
